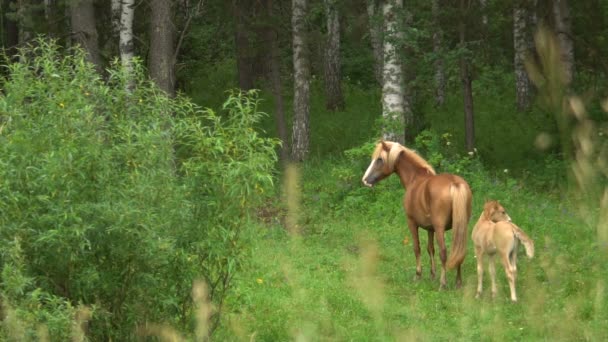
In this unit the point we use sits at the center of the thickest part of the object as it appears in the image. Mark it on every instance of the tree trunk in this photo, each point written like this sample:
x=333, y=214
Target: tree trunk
x=333, y=86
x=410, y=123
x=116, y=10
x=84, y=32
x=392, y=87
x=438, y=51
x=521, y=44
x=244, y=55
x=375, y=34
x=277, y=86
x=483, y=4
x=126, y=47
x=11, y=29
x=563, y=28
x=161, y=63
x=467, y=89
x=24, y=32
x=301, y=68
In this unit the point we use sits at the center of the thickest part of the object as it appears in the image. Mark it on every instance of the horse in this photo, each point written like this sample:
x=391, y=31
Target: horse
x=494, y=233
x=434, y=202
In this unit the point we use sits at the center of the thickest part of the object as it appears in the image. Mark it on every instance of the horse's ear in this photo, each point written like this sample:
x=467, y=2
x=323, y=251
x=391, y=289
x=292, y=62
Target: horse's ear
x=385, y=145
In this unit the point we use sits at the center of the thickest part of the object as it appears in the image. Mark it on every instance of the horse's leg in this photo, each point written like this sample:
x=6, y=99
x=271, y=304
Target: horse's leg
x=479, y=256
x=458, y=277
x=431, y=249
x=492, y=269
x=510, y=272
x=416, y=242
x=439, y=235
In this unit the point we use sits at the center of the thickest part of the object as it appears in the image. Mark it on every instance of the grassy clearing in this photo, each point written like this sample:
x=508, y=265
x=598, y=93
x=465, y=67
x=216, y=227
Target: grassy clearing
x=349, y=275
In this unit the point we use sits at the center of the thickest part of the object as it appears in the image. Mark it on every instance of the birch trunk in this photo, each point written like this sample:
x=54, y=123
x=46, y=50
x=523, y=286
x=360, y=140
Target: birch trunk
x=521, y=44
x=161, y=64
x=392, y=87
x=126, y=47
x=563, y=28
x=333, y=86
x=301, y=68
x=375, y=33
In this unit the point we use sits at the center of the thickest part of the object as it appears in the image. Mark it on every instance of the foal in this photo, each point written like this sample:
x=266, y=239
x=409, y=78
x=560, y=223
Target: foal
x=495, y=233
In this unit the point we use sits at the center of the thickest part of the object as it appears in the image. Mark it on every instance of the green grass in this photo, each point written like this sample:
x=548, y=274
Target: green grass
x=349, y=275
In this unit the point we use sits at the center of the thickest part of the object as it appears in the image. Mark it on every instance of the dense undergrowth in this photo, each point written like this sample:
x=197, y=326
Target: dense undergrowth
x=113, y=202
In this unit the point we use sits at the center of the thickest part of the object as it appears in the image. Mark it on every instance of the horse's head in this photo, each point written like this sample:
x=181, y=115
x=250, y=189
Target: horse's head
x=495, y=212
x=382, y=164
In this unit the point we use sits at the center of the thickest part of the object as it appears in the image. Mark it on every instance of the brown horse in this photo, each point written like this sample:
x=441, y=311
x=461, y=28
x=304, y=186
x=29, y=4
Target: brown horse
x=494, y=233
x=434, y=202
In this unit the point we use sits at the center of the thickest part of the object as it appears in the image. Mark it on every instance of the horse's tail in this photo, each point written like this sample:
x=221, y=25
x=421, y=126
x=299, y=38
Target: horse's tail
x=524, y=239
x=461, y=204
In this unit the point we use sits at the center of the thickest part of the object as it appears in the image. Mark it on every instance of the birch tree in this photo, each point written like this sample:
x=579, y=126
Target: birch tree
x=126, y=47
x=301, y=68
x=521, y=42
x=84, y=32
x=161, y=64
x=392, y=86
x=333, y=80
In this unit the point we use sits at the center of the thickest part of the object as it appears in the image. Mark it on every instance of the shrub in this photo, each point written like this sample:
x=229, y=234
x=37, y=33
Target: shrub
x=119, y=200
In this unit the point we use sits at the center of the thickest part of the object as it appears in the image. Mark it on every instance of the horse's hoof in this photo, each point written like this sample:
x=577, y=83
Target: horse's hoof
x=458, y=285
x=417, y=277
x=442, y=287
x=432, y=276
x=478, y=295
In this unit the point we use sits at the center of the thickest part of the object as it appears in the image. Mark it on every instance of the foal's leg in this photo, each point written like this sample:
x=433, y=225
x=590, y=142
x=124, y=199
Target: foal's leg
x=416, y=242
x=510, y=272
x=439, y=235
x=431, y=249
x=492, y=269
x=479, y=256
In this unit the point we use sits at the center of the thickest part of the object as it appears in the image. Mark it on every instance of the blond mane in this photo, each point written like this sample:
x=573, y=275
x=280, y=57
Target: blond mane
x=394, y=152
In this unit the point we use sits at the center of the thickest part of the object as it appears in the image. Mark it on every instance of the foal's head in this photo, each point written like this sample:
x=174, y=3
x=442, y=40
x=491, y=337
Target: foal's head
x=495, y=212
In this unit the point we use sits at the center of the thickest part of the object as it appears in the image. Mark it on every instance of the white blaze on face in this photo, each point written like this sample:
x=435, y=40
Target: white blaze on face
x=367, y=172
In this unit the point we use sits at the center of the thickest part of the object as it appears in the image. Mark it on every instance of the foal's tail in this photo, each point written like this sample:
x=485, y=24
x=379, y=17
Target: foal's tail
x=461, y=210
x=525, y=240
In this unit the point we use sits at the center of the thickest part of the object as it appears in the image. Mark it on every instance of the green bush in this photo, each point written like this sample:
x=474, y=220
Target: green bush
x=120, y=200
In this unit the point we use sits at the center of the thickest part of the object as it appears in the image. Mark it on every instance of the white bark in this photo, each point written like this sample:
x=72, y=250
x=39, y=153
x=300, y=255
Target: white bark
x=521, y=43
x=392, y=87
x=127, y=50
